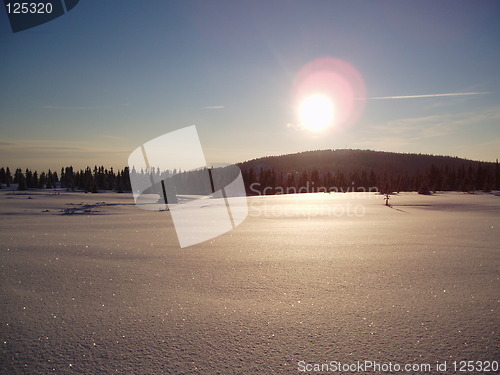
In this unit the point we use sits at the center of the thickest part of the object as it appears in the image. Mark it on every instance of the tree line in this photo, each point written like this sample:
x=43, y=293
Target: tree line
x=88, y=180
x=466, y=178
x=306, y=172
x=366, y=170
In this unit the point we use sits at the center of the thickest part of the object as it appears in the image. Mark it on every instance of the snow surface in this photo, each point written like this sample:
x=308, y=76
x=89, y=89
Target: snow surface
x=89, y=283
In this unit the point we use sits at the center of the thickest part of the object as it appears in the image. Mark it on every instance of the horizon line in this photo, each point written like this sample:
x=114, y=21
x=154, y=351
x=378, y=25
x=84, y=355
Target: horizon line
x=261, y=157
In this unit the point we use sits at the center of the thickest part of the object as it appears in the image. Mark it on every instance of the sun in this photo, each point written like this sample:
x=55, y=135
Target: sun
x=317, y=112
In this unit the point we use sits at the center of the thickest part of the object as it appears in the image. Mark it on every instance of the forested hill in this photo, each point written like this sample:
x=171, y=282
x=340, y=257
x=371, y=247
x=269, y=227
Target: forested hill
x=347, y=159
x=342, y=169
x=311, y=171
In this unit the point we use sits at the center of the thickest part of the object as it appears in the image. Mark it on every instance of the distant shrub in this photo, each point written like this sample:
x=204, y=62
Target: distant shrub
x=424, y=190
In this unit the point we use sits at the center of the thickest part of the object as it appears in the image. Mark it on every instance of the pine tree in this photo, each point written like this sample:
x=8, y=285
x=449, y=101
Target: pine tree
x=3, y=176
x=249, y=179
x=262, y=179
x=42, y=181
x=471, y=178
x=63, y=178
x=55, y=178
x=272, y=181
x=50, y=179
x=29, y=178
x=21, y=181
x=17, y=173
x=9, y=177
x=48, y=183
x=340, y=183
x=87, y=180
x=290, y=182
x=35, y=179
x=126, y=179
x=303, y=182
x=119, y=184
x=386, y=185
x=372, y=180
x=489, y=179
x=69, y=179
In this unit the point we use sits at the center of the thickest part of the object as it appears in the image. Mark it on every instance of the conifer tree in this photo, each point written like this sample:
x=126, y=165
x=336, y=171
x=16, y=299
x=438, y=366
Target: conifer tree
x=29, y=178
x=42, y=181
x=8, y=176
x=35, y=179
x=21, y=181
x=119, y=184
x=303, y=179
x=290, y=182
x=62, y=177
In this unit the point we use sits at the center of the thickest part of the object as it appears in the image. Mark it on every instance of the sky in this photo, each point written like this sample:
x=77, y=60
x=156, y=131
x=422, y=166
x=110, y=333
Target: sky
x=90, y=87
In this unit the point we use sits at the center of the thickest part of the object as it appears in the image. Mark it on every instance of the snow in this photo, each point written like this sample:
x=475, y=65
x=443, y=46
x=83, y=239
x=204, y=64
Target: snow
x=90, y=283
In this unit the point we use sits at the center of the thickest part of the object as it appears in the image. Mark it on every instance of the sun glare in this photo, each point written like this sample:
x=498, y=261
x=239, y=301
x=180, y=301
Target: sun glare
x=316, y=112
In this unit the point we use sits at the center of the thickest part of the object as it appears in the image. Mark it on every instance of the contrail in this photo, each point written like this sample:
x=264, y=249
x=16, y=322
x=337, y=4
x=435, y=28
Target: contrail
x=214, y=107
x=428, y=95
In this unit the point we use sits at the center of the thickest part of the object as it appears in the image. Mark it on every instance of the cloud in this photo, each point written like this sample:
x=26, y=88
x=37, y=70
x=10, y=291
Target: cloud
x=56, y=148
x=214, y=107
x=83, y=107
x=41, y=154
x=295, y=126
x=114, y=138
x=64, y=107
x=428, y=95
x=7, y=144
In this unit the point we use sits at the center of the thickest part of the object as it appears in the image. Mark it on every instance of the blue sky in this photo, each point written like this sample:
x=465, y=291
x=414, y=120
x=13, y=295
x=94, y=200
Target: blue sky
x=91, y=86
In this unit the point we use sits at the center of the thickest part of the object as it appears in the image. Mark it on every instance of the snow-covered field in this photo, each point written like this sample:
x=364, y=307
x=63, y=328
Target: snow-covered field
x=89, y=283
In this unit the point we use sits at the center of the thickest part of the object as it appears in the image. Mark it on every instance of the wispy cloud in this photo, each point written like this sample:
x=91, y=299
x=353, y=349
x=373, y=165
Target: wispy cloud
x=82, y=107
x=428, y=95
x=214, y=107
x=42, y=154
x=57, y=148
x=60, y=146
x=114, y=138
x=295, y=126
x=65, y=107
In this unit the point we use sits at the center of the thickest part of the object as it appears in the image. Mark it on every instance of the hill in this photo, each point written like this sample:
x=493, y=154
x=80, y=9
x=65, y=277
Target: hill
x=361, y=170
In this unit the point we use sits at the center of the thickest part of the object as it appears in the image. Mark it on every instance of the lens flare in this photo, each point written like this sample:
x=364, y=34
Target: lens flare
x=328, y=93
